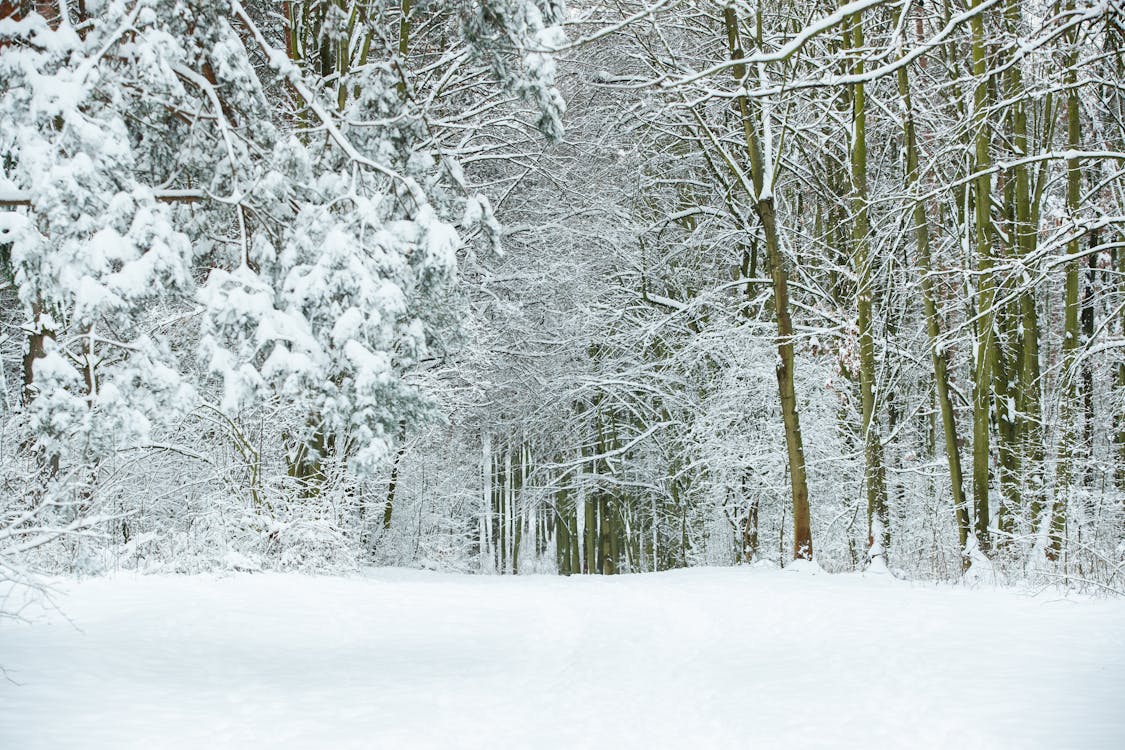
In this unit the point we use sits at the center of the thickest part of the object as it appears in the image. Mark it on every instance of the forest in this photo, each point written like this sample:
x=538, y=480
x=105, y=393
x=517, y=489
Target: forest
x=508, y=286
x=480, y=374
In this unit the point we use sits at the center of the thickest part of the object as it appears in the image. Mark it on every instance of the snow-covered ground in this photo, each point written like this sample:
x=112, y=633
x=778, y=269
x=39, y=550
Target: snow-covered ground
x=707, y=658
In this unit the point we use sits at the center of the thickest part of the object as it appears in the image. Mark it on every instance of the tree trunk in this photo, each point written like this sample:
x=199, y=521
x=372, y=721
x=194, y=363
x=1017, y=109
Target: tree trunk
x=487, y=546
x=1087, y=364
x=762, y=175
x=1028, y=401
x=874, y=475
x=392, y=485
x=985, y=345
x=1120, y=436
x=933, y=325
x=37, y=336
x=516, y=506
x=1068, y=446
x=562, y=534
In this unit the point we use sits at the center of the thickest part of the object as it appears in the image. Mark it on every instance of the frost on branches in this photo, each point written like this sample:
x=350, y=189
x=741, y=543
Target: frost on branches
x=203, y=208
x=96, y=255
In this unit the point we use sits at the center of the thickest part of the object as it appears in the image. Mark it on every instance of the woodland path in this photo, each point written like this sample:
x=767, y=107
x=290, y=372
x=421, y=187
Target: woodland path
x=703, y=658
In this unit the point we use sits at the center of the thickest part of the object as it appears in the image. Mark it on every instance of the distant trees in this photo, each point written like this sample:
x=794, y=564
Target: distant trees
x=929, y=210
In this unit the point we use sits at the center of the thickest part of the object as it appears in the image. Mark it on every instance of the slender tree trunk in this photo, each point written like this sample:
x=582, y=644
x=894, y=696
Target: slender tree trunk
x=575, y=533
x=487, y=551
x=404, y=39
x=933, y=325
x=1113, y=94
x=606, y=527
x=518, y=512
x=501, y=495
x=750, y=540
x=1028, y=401
x=1003, y=376
x=750, y=533
x=590, y=520
x=509, y=511
x=392, y=485
x=1088, y=302
x=985, y=344
x=875, y=478
x=1120, y=436
x=1068, y=446
x=562, y=533
x=37, y=336
x=761, y=172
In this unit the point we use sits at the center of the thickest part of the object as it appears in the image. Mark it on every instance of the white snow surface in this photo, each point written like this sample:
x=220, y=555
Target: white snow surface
x=704, y=658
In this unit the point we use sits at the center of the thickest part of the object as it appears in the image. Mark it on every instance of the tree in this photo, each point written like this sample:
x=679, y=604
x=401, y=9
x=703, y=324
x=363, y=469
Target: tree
x=149, y=145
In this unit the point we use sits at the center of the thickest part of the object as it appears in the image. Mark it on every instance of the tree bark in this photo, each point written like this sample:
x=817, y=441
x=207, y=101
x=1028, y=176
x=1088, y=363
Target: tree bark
x=985, y=345
x=874, y=475
x=1028, y=401
x=392, y=484
x=764, y=206
x=1068, y=447
x=938, y=358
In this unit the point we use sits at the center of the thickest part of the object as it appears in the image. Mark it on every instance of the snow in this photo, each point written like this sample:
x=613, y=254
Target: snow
x=702, y=658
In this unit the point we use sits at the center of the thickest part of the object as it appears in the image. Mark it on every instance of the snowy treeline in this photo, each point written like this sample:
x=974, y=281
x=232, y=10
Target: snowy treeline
x=326, y=283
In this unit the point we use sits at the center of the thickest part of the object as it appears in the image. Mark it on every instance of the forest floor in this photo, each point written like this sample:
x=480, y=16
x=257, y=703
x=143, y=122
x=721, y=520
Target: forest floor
x=704, y=658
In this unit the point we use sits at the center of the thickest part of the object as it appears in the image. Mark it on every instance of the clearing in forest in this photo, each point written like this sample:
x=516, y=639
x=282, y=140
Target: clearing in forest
x=702, y=658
